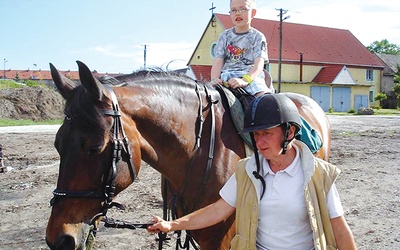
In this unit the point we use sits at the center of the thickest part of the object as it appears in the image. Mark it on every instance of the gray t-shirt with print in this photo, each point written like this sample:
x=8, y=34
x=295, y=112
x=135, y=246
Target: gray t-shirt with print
x=239, y=50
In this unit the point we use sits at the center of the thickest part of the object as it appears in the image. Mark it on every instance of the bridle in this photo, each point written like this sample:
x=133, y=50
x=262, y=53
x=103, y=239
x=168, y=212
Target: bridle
x=120, y=143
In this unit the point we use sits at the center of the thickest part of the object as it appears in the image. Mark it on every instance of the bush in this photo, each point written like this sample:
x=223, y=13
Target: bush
x=365, y=111
x=34, y=84
x=352, y=111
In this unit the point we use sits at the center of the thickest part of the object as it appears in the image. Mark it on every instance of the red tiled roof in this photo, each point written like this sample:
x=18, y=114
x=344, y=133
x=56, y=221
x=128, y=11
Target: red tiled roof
x=202, y=72
x=327, y=74
x=318, y=44
x=44, y=74
x=36, y=74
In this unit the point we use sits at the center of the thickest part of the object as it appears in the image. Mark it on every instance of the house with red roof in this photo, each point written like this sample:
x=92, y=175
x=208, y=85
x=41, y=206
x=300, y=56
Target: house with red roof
x=392, y=67
x=44, y=76
x=330, y=65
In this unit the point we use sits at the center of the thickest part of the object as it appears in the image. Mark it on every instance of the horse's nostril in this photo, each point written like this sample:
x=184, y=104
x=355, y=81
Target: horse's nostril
x=66, y=242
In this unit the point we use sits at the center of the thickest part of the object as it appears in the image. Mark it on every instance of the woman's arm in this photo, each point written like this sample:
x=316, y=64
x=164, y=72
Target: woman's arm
x=343, y=235
x=204, y=217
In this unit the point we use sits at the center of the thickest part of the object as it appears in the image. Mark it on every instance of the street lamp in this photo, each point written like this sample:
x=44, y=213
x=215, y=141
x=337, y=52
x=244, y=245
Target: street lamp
x=281, y=19
x=4, y=77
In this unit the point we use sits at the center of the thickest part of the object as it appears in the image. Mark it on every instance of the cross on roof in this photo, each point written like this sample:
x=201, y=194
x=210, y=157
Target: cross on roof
x=212, y=8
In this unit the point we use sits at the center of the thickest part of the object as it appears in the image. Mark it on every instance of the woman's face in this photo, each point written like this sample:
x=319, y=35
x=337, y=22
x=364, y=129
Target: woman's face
x=269, y=142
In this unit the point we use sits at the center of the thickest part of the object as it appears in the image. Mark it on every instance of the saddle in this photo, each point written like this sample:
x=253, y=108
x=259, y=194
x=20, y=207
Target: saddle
x=240, y=100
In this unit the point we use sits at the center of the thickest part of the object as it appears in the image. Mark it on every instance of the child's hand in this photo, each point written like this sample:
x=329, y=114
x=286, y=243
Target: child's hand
x=216, y=81
x=237, y=83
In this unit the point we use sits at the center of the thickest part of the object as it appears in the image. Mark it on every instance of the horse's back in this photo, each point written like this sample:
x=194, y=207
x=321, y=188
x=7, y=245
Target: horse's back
x=316, y=117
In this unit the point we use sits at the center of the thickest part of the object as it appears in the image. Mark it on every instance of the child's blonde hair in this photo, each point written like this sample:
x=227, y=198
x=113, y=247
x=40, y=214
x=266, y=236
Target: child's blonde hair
x=251, y=4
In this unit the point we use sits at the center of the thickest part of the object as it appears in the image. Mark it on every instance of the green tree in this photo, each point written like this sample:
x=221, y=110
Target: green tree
x=379, y=97
x=397, y=75
x=396, y=90
x=384, y=47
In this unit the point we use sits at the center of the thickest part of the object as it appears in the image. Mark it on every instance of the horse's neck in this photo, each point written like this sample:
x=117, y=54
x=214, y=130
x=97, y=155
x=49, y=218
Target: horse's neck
x=166, y=122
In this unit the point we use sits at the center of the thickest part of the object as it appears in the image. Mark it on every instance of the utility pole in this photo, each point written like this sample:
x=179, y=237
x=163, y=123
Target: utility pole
x=145, y=56
x=281, y=19
x=4, y=72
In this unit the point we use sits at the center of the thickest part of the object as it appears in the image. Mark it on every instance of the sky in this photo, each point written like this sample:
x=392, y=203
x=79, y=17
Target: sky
x=111, y=36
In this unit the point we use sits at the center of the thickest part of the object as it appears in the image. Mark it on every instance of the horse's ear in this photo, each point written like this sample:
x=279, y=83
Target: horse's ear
x=89, y=82
x=63, y=84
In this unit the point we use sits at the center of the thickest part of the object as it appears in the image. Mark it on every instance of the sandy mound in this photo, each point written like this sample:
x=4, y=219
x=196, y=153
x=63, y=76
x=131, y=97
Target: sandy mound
x=31, y=103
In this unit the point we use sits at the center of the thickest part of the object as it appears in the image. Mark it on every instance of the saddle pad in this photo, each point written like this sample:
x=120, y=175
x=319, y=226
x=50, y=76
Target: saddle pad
x=236, y=111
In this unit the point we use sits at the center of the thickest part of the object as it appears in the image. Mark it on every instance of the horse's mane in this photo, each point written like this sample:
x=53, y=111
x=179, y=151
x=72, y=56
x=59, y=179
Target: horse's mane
x=85, y=113
x=157, y=76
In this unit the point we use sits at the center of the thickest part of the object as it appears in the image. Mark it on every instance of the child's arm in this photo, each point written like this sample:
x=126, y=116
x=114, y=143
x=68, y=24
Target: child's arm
x=257, y=68
x=216, y=71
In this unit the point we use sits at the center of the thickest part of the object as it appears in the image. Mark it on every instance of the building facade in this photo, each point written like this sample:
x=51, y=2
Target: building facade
x=329, y=65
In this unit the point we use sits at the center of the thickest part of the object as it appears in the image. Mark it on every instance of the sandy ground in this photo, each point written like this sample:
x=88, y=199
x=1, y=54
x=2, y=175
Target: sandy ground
x=365, y=148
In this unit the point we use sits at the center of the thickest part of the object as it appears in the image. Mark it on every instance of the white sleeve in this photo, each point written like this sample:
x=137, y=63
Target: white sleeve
x=229, y=190
x=333, y=203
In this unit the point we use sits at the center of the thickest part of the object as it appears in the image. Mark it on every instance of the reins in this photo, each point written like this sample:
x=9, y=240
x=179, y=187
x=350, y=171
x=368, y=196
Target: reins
x=171, y=209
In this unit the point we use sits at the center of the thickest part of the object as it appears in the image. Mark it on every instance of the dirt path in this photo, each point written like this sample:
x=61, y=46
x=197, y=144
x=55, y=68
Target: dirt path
x=365, y=148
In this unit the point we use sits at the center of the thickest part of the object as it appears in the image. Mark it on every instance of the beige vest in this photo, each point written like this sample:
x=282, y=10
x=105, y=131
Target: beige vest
x=319, y=176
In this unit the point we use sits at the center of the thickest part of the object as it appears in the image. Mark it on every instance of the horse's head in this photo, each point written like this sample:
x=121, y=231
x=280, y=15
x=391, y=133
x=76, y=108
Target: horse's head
x=95, y=162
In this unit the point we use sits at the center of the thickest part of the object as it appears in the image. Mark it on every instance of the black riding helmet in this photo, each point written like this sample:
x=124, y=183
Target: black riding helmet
x=270, y=110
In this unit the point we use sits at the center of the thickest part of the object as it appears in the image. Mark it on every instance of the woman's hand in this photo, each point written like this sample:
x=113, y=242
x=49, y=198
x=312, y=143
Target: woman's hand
x=159, y=225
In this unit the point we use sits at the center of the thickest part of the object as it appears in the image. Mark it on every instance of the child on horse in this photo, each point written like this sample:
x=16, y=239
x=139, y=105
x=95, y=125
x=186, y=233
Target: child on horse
x=241, y=52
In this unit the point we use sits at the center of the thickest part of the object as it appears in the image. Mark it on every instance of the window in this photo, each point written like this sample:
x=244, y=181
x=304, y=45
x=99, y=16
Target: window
x=212, y=50
x=369, y=75
x=371, y=96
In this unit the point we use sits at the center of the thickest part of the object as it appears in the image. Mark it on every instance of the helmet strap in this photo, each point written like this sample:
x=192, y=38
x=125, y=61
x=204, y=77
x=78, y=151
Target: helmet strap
x=257, y=158
x=285, y=143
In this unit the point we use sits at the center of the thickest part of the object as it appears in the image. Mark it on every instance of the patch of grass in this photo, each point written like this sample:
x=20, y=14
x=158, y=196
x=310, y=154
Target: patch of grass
x=10, y=84
x=387, y=111
x=349, y=134
x=376, y=112
x=14, y=122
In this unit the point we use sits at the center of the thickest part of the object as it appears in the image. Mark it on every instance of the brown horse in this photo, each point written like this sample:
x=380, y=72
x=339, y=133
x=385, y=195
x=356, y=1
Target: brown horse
x=181, y=128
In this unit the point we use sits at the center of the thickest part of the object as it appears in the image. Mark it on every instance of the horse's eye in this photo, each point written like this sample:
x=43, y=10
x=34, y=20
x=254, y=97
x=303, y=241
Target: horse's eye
x=95, y=149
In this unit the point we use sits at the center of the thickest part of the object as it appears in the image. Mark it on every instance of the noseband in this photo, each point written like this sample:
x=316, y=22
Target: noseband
x=120, y=142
